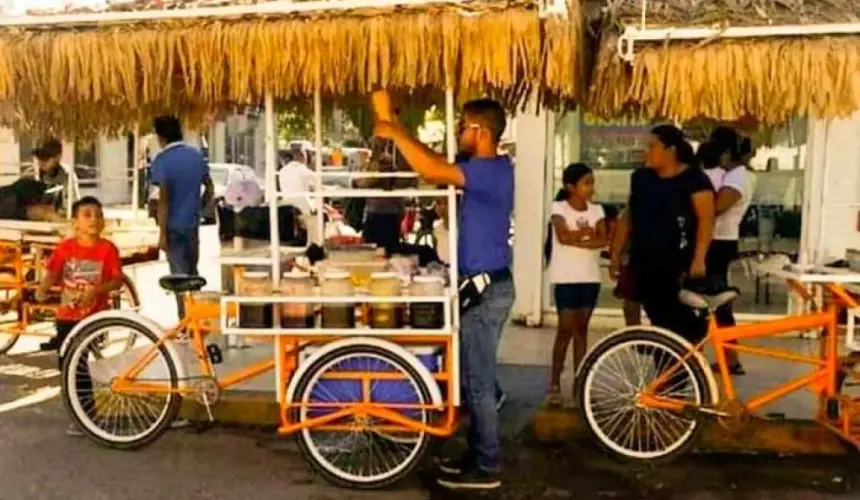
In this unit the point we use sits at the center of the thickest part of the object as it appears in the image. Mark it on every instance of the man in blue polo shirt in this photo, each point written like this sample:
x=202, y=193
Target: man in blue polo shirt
x=487, y=288
x=179, y=171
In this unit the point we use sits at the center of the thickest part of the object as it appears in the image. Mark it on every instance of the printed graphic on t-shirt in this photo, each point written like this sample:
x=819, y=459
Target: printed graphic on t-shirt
x=78, y=275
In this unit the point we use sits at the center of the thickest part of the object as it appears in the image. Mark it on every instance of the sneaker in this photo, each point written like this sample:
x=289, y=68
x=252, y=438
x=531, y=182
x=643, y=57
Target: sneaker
x=180, y=424
x=454, y=465
x=471, y=479
x=73, y=430
x=501, y=400
x=51, y=345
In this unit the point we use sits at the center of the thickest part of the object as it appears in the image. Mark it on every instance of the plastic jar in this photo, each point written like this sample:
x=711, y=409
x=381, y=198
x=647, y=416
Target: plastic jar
x=427, y=315
x=297, y=314
x=386, y=314
x=255, y=284
x=337, y=315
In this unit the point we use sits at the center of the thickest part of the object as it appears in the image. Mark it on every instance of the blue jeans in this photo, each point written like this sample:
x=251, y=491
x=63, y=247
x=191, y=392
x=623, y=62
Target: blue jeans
x=183, y=252
x=480, y=329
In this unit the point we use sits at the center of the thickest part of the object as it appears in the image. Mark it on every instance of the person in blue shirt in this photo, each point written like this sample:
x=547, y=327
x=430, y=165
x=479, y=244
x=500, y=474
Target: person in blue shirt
x=180, y=171
x=486, y=284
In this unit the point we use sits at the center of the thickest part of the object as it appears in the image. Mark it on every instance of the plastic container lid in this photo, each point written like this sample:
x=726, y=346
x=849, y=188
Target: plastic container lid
x=428, y=280
x=295, y=274
x=336, y=275
x=383, y=275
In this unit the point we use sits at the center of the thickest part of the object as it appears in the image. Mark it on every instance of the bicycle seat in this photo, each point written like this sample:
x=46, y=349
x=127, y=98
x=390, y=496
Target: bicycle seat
x=710, y=302
x=181, y=283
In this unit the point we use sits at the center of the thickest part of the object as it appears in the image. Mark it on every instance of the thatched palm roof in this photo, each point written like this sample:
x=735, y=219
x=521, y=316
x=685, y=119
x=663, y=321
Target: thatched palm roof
x=84, y=80
x=734, y=12
x=769, y=79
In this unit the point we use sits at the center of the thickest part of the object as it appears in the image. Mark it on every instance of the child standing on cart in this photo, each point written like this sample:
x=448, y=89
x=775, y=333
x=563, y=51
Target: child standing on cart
x=87, y=268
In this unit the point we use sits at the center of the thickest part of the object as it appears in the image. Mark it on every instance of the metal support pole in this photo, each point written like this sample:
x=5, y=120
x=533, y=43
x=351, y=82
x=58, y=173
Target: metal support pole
x=135, y=173
x=453, y=229
x=271, y=187
x=274, y=229
x=318, y=201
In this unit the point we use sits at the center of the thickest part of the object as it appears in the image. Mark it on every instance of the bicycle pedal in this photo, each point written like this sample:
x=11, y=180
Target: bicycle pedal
x=215, y=354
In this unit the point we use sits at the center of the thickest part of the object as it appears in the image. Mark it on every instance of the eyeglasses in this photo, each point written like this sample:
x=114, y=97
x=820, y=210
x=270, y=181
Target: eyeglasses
x=461, y=127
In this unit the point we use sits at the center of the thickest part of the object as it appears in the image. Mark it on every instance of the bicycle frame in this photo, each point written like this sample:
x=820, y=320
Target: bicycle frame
x=288, y=349
x=822, y=380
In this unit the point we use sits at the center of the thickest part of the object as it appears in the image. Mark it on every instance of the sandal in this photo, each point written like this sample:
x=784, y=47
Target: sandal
x=553, y=397
x=735, y=369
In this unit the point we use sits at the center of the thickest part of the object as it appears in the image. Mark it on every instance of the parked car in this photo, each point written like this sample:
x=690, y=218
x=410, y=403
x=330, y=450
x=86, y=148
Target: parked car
x=222, y=175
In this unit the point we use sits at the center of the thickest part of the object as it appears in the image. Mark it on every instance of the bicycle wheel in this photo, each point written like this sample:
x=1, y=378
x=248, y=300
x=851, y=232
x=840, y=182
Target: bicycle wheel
x=118, y=420
x=9, y=320
x=613, y=377
x=7, y=341
x=363, y=451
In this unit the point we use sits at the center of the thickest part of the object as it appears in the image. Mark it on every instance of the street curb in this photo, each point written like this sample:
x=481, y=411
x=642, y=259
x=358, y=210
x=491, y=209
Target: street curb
x=789, y=437
x=241, y=407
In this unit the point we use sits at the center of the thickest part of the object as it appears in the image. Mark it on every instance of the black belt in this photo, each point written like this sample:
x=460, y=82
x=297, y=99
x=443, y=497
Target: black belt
x=500, y=274
x=472, y=287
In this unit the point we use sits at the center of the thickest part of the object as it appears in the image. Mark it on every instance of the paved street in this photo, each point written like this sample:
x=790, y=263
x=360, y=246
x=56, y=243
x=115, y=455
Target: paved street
x=40, y=462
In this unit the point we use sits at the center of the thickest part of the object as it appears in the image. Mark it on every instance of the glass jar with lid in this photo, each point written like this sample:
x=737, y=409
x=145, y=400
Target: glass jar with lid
x=297, y=314
x=337, y=283
x=386, y=314
x=255, y=284
x=427, y=315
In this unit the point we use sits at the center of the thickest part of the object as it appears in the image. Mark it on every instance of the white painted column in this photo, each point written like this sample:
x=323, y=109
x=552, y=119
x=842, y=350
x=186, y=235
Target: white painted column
x=10, y=157
x=114, y=179
x=534, y=134
x=218, y=142
x=68, y=156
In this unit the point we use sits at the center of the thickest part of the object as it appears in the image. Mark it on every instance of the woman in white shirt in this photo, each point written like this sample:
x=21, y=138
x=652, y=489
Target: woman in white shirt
x=577, y=233
x=724, y=163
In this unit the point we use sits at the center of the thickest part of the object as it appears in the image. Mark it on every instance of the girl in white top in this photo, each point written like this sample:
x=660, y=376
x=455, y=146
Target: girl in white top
x=723, y=160
x=576, y=235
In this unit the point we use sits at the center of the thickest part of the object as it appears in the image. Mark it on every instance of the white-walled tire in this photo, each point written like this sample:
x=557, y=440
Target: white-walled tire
x=7, y=341
x=341, y=461
x=104, y=415
x=607, y=388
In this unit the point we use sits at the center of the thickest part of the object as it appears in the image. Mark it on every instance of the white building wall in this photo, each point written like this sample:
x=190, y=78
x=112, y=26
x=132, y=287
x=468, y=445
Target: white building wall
x=218, y=142
x=10, y=157
x=832, y=206
x=114, y=186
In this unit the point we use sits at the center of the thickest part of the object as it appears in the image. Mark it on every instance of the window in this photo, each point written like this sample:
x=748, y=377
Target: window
x=771, y=225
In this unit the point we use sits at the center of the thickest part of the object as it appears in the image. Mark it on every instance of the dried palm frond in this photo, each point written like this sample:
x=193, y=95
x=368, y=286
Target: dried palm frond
x=105, y=79
x=771, y=80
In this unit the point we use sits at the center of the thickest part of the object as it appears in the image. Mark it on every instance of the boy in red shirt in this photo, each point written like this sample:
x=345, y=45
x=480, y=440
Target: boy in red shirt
x=86, y=267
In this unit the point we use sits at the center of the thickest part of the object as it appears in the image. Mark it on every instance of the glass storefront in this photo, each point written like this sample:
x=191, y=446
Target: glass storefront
x=772, y=223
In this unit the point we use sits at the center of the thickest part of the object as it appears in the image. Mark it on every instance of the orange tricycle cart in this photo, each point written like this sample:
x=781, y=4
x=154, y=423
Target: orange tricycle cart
x=365, y=359
x=644, y=392
x=25, y=247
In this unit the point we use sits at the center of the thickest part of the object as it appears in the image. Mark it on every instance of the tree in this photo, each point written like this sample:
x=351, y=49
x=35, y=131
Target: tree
x=411, y=117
